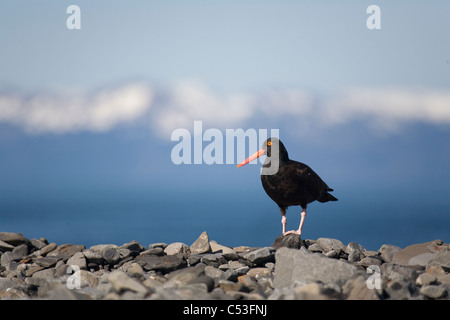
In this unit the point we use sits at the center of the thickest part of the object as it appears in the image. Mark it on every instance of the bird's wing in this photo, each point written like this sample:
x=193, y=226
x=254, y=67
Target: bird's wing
x=310, y=180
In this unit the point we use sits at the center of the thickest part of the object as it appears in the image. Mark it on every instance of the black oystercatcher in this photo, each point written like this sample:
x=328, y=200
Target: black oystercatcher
x=288, y=182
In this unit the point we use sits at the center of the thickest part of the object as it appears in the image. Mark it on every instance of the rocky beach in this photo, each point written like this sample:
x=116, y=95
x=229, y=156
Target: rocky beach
x=292, y=268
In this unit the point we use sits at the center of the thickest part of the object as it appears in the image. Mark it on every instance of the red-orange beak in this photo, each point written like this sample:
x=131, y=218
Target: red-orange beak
x=252, y=157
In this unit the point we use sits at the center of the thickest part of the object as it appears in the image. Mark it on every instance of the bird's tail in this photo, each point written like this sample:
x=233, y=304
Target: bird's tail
x=327, y=197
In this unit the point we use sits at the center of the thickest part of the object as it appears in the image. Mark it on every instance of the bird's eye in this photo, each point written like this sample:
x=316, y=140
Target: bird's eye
x=269, y=143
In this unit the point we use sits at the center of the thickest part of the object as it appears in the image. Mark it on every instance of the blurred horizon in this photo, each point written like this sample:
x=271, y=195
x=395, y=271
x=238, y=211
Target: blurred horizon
x=86, y=118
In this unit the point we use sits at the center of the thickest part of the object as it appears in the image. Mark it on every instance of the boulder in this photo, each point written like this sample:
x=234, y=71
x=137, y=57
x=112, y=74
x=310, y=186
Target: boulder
x=302, y=266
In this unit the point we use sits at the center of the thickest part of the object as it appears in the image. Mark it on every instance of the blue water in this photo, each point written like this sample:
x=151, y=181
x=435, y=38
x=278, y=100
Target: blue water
x=231, y=218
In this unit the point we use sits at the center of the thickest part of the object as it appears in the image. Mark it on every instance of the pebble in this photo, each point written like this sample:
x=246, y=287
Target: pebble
x=289, y=269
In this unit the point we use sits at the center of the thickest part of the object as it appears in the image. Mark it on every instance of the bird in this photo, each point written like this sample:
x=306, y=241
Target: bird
x=288, y=182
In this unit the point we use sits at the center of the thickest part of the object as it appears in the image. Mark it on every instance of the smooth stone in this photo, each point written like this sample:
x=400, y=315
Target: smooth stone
x=293, y=265
x=443, y=259
x=201, y=245
x=175, y=248
x=122, y=282
x=425, y=279
x=315, y=248
x=421, y=259
x=357, y=289
x=387, y=251
x=433, y=291
x=12, y=238
x=260, y=256
x=93, y=257
x=45, y=250
x=290, y=241
x=328, y=244
x=370, y=261
x=259, y=272
x=161, y=263
x=355, y=251
x=403, y=256
x=65, y=251
x=215, y=247
x=111, y=256
x=5, y=246
x=78, y=259
x=47, y=262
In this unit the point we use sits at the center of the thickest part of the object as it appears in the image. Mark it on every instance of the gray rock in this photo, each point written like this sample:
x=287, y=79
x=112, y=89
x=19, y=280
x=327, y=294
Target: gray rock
x=403, y=256
x=47, y=262
x=443, y=259
x=259, y=272
x=311, y=291
x=99, y=248
x=164, y=264
x=425, y=279
x=433, y=291
x=46, y=274
x=208, y=281
x=290, y=241
x=315, y=248
x=121, y=282
x=20, y=252
x=370, y=261
x=7, y=284
x=387, y=251
x=282, y=294
x=6, y=258
x=214, y=273
x=162, y=245
x=328, y=244
x=134, y=269
x=393, y=272
x=421, y=259
x=355, y=251
x=133, y=246
x=399, y=290
x=65, y=251
x=175, y=248
x=93, y=257
x=213, y=259
x=38, y=244
x=201, y=245
x=124, y=253
x=302, y=266
x=14, y=239
x=78, y=259
x=261, y=256
x=357, y=289
x=198, y=291
x=215, y=247
x=111, y=256
x=46, y=249
x=5, y=246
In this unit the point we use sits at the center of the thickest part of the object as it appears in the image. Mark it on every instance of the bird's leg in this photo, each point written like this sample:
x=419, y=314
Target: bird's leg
x=300, y=227
x=302, y=221
x=283, y=219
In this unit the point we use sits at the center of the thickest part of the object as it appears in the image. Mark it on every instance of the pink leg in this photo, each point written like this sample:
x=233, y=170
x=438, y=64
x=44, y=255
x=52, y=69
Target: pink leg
x=283, y=219
x=300, y=227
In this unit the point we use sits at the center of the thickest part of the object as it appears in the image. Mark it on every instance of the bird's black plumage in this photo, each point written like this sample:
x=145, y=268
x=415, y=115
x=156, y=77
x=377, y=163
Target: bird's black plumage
x=294, y=183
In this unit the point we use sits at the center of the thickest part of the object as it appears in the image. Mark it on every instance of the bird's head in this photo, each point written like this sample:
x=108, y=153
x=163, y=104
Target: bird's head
x=273, y=148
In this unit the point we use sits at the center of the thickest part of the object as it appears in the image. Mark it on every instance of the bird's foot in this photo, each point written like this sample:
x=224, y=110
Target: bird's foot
x=292, y=232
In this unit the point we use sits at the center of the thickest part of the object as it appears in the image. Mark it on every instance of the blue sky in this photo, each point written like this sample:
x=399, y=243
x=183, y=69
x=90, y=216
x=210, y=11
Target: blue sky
x=86, y=115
